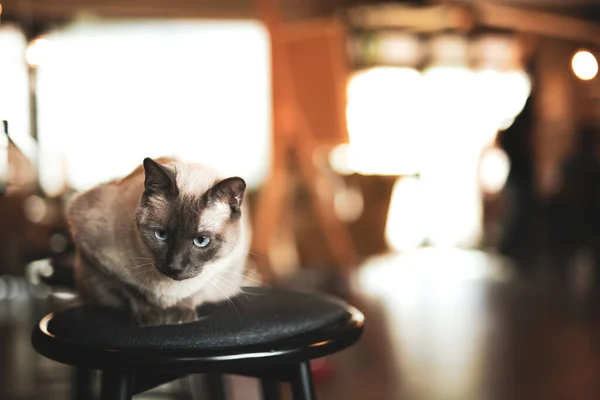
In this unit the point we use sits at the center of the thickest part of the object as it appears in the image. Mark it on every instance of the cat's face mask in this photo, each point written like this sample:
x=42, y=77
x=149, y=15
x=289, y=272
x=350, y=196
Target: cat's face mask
x=184, y=230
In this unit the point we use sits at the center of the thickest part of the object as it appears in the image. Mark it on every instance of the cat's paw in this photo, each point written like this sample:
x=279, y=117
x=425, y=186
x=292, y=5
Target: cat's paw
x=169, y=316
x=181, y=315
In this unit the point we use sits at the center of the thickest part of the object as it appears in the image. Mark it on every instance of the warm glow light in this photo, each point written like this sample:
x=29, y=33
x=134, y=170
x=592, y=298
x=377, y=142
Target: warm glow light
x=435, y=123
x=36, y=51
x=111, y=93
x=438, y=283
x=493, y=170
x=585, y=65
x=339, y=159
x=35, y=209
x=406, y=225
x=510, y=90
x=14, y=84
x=348, y=204
x=457, y=130
x=383, y=121
x=394, y=275
x=3, y=160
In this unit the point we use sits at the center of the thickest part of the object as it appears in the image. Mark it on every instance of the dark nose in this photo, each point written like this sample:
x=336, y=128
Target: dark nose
x=174, y=264
x=173, y=271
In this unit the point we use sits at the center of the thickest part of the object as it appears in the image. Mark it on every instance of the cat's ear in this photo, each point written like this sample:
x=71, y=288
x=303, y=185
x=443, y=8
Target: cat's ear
x=229, y=191
x=158, y=179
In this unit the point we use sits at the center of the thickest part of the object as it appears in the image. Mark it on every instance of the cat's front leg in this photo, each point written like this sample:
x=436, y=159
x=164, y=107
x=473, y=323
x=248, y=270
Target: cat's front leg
x=154, y=316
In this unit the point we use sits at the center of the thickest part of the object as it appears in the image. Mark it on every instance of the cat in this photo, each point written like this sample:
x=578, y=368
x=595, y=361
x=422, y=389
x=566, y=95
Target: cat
x=161, y=241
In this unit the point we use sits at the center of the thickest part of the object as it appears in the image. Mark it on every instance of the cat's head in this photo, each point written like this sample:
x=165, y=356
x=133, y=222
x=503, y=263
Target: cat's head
x=188, y=217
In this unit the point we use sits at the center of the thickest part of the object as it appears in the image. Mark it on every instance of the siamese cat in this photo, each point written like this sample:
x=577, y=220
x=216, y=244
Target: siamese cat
x=161, y=241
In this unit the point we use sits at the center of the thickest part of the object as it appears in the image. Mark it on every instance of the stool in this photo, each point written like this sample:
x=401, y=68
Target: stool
x=266, y=333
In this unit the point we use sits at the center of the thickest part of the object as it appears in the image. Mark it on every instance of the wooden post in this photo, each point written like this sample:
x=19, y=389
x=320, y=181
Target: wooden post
x=291, y=135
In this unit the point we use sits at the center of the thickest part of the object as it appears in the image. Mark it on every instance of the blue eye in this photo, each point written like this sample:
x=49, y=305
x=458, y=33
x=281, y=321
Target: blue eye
x=161, y=234
x=201, y=241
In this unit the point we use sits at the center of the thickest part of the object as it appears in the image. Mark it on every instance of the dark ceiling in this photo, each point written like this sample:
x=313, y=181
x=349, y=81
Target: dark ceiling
x=36, y=11
x=587, y=9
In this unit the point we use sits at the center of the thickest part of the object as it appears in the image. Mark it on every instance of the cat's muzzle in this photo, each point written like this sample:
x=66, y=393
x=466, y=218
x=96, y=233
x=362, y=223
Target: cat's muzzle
x=179, y=274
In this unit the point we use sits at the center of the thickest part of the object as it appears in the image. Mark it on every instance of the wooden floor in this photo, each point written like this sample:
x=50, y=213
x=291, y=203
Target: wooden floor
x=453, y=325
x=440, y=325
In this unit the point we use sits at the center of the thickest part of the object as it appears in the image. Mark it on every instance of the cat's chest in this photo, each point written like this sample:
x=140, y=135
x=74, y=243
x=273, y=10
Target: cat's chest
x=169, y=293
x=218, y=283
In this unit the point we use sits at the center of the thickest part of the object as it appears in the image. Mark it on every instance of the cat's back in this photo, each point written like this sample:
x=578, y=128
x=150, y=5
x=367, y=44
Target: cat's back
x=92, y=210
x=111, y=193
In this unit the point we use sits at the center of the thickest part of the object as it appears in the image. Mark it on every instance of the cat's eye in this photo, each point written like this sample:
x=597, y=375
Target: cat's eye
x=161, y=234
x=201, y=241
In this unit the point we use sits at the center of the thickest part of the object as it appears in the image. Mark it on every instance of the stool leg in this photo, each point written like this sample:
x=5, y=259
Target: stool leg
x=215, y=386
x=302, y=385
x=83, y=384
x=270, y=389
x=117, y=385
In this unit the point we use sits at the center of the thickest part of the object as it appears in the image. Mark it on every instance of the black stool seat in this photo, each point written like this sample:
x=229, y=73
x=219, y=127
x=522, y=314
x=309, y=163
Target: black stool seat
x=260, y=329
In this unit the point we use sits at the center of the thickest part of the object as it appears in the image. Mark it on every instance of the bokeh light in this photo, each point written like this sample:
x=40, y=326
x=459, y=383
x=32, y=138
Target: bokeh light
x=585, y=65
x=493, y=170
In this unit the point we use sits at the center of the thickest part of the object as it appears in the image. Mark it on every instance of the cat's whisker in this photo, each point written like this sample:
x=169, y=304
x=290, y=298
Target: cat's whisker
x=148, y=261
x=233, y=286
x=230, y=301
x=245, y=277
x=227, y=285
x=243, y=297
x=234, y=273
x=252, y=257
x=141, y=270
x=142, y=267
x=214, y=282
x=236, y=289
x=147, y=275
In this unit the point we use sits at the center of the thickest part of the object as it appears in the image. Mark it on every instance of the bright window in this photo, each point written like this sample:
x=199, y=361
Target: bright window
x=14, y=82
x=111, y=93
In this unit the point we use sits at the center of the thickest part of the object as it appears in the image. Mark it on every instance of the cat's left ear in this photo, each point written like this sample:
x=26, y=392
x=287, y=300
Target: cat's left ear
x=229, y=191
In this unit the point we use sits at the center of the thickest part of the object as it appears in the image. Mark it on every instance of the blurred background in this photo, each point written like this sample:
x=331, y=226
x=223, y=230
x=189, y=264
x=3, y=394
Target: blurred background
x=435, y=163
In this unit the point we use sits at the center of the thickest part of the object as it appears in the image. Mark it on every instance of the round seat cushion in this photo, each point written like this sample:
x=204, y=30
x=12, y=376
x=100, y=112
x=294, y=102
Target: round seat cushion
x=258, y=316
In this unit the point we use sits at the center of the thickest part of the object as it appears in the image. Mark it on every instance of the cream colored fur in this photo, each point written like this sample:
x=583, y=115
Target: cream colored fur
x=103, y=218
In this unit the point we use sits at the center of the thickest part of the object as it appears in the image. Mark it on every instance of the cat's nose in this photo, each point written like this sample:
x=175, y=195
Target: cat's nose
x=174, y=271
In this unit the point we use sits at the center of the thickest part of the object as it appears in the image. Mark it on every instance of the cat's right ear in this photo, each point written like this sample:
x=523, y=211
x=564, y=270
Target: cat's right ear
x=158, y=179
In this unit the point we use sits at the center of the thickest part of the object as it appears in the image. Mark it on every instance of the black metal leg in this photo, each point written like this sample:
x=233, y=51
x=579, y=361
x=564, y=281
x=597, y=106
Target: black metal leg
x=83, y=384
x=302, y=384
x=145, y=382
x=117, y=385
x=270, y=389
x=215, y=386
x=197, y=386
